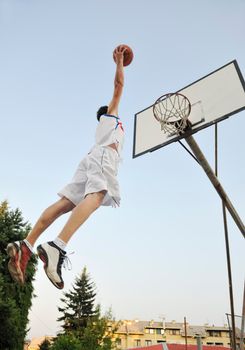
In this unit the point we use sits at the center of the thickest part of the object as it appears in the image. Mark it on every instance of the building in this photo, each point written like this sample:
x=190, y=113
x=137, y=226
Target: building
x=35, y=343
x=166, y=346
x=136, y=334
x=153, y=347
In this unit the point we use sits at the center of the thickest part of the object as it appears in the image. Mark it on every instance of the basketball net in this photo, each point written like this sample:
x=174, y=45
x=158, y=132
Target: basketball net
x=172, y=111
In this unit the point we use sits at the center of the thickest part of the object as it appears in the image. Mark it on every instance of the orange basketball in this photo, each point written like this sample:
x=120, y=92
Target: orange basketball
x=128, y=55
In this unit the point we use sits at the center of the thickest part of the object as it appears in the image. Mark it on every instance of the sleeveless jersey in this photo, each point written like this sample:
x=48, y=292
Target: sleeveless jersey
x=109, y=131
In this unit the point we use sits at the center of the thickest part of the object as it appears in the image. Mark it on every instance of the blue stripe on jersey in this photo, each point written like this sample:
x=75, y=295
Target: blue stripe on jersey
x=110, y=115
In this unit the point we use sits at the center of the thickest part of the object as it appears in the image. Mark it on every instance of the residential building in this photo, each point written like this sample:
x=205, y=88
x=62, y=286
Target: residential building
x=136, y=334
x=35, y=343
x=166, y=346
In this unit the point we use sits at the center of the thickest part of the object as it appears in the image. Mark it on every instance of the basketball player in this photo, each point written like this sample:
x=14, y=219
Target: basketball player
x=93, y=184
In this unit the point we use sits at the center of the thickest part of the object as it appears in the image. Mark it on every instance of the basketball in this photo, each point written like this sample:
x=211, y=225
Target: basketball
x=128, y=55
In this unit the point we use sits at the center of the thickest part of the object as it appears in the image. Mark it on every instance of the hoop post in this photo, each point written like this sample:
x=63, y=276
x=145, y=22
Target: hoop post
x=216, y=183
x=243, y=320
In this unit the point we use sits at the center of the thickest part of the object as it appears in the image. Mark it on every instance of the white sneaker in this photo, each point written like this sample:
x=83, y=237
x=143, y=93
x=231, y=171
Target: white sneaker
x=53, y=258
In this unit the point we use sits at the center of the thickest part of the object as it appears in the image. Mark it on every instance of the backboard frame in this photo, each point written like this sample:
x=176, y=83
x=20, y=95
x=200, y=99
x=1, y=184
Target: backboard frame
x=197, y=128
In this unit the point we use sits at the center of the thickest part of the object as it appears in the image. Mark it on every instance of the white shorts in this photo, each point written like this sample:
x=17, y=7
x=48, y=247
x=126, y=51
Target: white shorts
x=96, y=172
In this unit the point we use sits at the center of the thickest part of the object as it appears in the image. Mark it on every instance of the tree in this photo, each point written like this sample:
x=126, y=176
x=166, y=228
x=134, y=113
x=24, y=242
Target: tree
x=99, y=333
x=15, y=300
x=66, y=342
x=82, y=320
x=45, y=345
x=79, y=305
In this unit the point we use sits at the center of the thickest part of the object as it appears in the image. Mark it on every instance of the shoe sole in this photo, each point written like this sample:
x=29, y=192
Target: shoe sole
x=44, y=257
x=14, y=263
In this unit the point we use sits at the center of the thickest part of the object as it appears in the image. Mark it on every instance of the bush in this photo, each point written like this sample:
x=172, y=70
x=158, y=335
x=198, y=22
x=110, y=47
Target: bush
x=66, y=342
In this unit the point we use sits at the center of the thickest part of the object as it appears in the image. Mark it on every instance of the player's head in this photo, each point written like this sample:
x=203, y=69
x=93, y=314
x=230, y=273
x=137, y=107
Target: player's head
x=102, y=110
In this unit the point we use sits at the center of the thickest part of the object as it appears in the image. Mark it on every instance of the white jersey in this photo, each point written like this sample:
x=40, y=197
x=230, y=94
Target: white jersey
x=109, y=131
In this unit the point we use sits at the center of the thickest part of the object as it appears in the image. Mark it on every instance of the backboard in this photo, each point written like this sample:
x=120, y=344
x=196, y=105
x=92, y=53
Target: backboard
x=213, y=98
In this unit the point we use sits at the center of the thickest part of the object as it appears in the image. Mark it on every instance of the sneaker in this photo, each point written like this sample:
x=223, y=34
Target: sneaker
x=53, y=258
x=19, y=255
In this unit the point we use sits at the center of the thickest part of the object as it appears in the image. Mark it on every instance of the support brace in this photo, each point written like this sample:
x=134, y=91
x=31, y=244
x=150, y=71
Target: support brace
x=214, y=180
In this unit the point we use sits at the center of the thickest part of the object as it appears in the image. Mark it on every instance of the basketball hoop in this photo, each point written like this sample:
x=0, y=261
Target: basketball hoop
x=172, y=111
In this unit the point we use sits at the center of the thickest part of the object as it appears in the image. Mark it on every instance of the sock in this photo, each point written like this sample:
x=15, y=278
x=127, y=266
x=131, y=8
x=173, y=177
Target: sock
x=28, y=245
x=61, y=244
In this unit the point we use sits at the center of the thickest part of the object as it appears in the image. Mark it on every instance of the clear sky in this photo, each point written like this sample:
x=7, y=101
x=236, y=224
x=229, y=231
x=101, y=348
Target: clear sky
x=162, y=252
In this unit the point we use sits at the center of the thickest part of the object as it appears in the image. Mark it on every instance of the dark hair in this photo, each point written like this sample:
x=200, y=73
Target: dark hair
x=102, y=110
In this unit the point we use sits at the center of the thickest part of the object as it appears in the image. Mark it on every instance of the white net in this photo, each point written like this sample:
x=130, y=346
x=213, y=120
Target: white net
x=172, y=111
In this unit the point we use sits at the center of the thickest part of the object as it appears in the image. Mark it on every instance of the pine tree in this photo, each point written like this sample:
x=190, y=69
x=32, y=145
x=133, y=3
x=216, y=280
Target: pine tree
x=79, y=305
x=45, y=345
x=15, y=300
x=82, y=321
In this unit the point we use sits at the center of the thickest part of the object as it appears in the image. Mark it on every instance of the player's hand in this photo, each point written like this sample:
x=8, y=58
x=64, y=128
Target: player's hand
x=118, y=54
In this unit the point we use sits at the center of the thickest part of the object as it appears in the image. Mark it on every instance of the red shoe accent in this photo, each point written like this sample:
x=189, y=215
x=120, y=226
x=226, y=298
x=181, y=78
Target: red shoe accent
x=19, y=255
x=25, y=257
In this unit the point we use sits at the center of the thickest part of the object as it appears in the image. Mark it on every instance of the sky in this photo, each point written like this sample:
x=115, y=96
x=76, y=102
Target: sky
x=162, y=253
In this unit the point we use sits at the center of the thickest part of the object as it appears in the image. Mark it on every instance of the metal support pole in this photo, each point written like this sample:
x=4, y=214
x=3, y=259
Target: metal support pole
x=233, y=326
x=185, y=333
x=199, y=342
x=227, y=246
x=217, y=185
x=230, y=331
x=243, y=321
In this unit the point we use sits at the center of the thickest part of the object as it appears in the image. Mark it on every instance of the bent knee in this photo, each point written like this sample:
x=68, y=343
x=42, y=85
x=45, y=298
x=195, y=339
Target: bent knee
x=98, y=198
x=66, y=206
x=54, y=211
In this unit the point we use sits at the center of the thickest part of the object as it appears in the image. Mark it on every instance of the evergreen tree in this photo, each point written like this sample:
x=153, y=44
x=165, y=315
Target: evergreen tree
x=15, y=300
x=45, y=345
x=82, y=321
x=78, y=305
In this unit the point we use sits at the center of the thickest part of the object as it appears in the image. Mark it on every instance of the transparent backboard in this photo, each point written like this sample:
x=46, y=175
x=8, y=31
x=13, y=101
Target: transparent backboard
x=213, y=98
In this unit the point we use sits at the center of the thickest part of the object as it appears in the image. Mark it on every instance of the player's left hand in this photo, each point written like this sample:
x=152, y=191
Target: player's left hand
x=118, y=54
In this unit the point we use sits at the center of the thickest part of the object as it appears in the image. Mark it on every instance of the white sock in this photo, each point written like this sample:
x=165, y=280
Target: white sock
x=28, y=245
x=61, y=244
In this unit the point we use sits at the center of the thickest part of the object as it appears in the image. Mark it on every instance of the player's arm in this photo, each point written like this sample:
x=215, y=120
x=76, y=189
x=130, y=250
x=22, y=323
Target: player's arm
x=118, y=82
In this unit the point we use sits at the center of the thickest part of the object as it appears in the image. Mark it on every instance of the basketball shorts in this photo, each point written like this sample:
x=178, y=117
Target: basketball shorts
x=96, y=172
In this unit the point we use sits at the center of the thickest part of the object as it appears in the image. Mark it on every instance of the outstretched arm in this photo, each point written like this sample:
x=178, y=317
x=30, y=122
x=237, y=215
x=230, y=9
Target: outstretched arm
x=118, y=82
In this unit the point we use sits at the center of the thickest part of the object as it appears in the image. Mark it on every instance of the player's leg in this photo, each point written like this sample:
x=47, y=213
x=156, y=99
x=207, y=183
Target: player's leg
x=49, y=215
x=52, y=253
x=21, y=251
x=81, y=213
